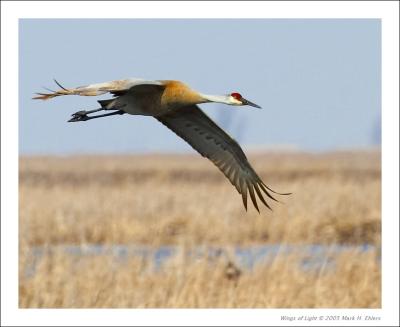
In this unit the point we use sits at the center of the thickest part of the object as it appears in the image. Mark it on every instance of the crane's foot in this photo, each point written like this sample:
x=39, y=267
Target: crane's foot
x=83, y=115
x=79, y=116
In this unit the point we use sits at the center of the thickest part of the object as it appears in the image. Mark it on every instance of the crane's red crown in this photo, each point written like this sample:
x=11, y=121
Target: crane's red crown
x=236, y=95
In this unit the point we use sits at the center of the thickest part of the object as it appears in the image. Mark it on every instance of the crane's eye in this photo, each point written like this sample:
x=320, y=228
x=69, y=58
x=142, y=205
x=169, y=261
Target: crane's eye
x=237, y=96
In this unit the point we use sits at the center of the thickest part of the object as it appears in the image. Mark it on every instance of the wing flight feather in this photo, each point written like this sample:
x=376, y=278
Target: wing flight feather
x=197, y=129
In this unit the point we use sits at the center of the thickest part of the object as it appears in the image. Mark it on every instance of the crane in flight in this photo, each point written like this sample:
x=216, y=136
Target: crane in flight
x=174, y=104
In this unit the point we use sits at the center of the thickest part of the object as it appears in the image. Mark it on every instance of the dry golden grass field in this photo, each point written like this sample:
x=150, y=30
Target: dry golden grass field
x=185, y=202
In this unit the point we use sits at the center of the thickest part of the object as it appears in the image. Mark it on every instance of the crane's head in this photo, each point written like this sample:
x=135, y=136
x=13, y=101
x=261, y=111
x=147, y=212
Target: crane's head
x=236, y=99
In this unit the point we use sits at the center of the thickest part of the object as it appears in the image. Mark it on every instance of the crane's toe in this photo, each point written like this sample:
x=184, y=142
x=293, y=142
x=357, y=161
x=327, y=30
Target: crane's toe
x=79, y=116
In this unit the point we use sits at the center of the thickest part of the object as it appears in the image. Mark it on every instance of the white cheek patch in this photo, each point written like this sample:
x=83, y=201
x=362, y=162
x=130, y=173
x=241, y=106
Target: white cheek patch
x=234, y=101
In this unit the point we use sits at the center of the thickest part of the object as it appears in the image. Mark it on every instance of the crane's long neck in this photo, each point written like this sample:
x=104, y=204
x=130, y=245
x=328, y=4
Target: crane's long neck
x=216, y=98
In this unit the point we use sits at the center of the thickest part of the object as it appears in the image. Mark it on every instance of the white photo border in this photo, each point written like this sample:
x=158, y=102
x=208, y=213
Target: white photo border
x=13, y=11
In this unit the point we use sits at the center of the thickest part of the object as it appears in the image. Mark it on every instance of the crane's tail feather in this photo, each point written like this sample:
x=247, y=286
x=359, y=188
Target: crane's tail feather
x=60, y=85
x=46, y=96
x=90, y=90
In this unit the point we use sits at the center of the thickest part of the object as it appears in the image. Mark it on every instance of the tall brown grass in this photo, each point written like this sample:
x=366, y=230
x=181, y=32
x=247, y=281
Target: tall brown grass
x=66, y=281
x=185, y=201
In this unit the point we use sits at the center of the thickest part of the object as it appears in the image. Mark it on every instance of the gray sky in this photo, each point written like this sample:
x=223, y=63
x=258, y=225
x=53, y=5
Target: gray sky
x=318, y=81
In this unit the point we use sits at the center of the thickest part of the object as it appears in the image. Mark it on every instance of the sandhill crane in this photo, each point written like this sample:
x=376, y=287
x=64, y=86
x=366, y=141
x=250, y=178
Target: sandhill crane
x=174, y=104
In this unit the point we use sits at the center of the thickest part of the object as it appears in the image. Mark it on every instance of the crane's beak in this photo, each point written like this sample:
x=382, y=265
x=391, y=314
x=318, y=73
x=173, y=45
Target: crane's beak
x=248, y=103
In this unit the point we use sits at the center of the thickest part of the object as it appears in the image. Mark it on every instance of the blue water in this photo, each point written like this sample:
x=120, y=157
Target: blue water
x=313, y=257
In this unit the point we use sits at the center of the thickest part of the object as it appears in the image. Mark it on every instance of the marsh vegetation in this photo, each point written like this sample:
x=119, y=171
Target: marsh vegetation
x=182, y=201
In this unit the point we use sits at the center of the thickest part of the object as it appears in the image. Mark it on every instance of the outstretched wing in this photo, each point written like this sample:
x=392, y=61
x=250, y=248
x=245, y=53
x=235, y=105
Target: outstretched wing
x=115, y=87
x=197, y=129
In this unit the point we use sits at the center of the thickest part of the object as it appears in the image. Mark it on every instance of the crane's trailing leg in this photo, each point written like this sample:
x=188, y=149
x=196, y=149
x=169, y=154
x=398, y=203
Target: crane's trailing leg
x=83, y=115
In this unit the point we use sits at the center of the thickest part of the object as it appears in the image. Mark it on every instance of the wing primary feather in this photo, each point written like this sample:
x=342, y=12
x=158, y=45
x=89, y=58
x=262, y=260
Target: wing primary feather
x=266, y=192
x=261, y=196
x=252, y=196
x=228, y=169
x=244, y=196
x=236, y=180
x=275, y=191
